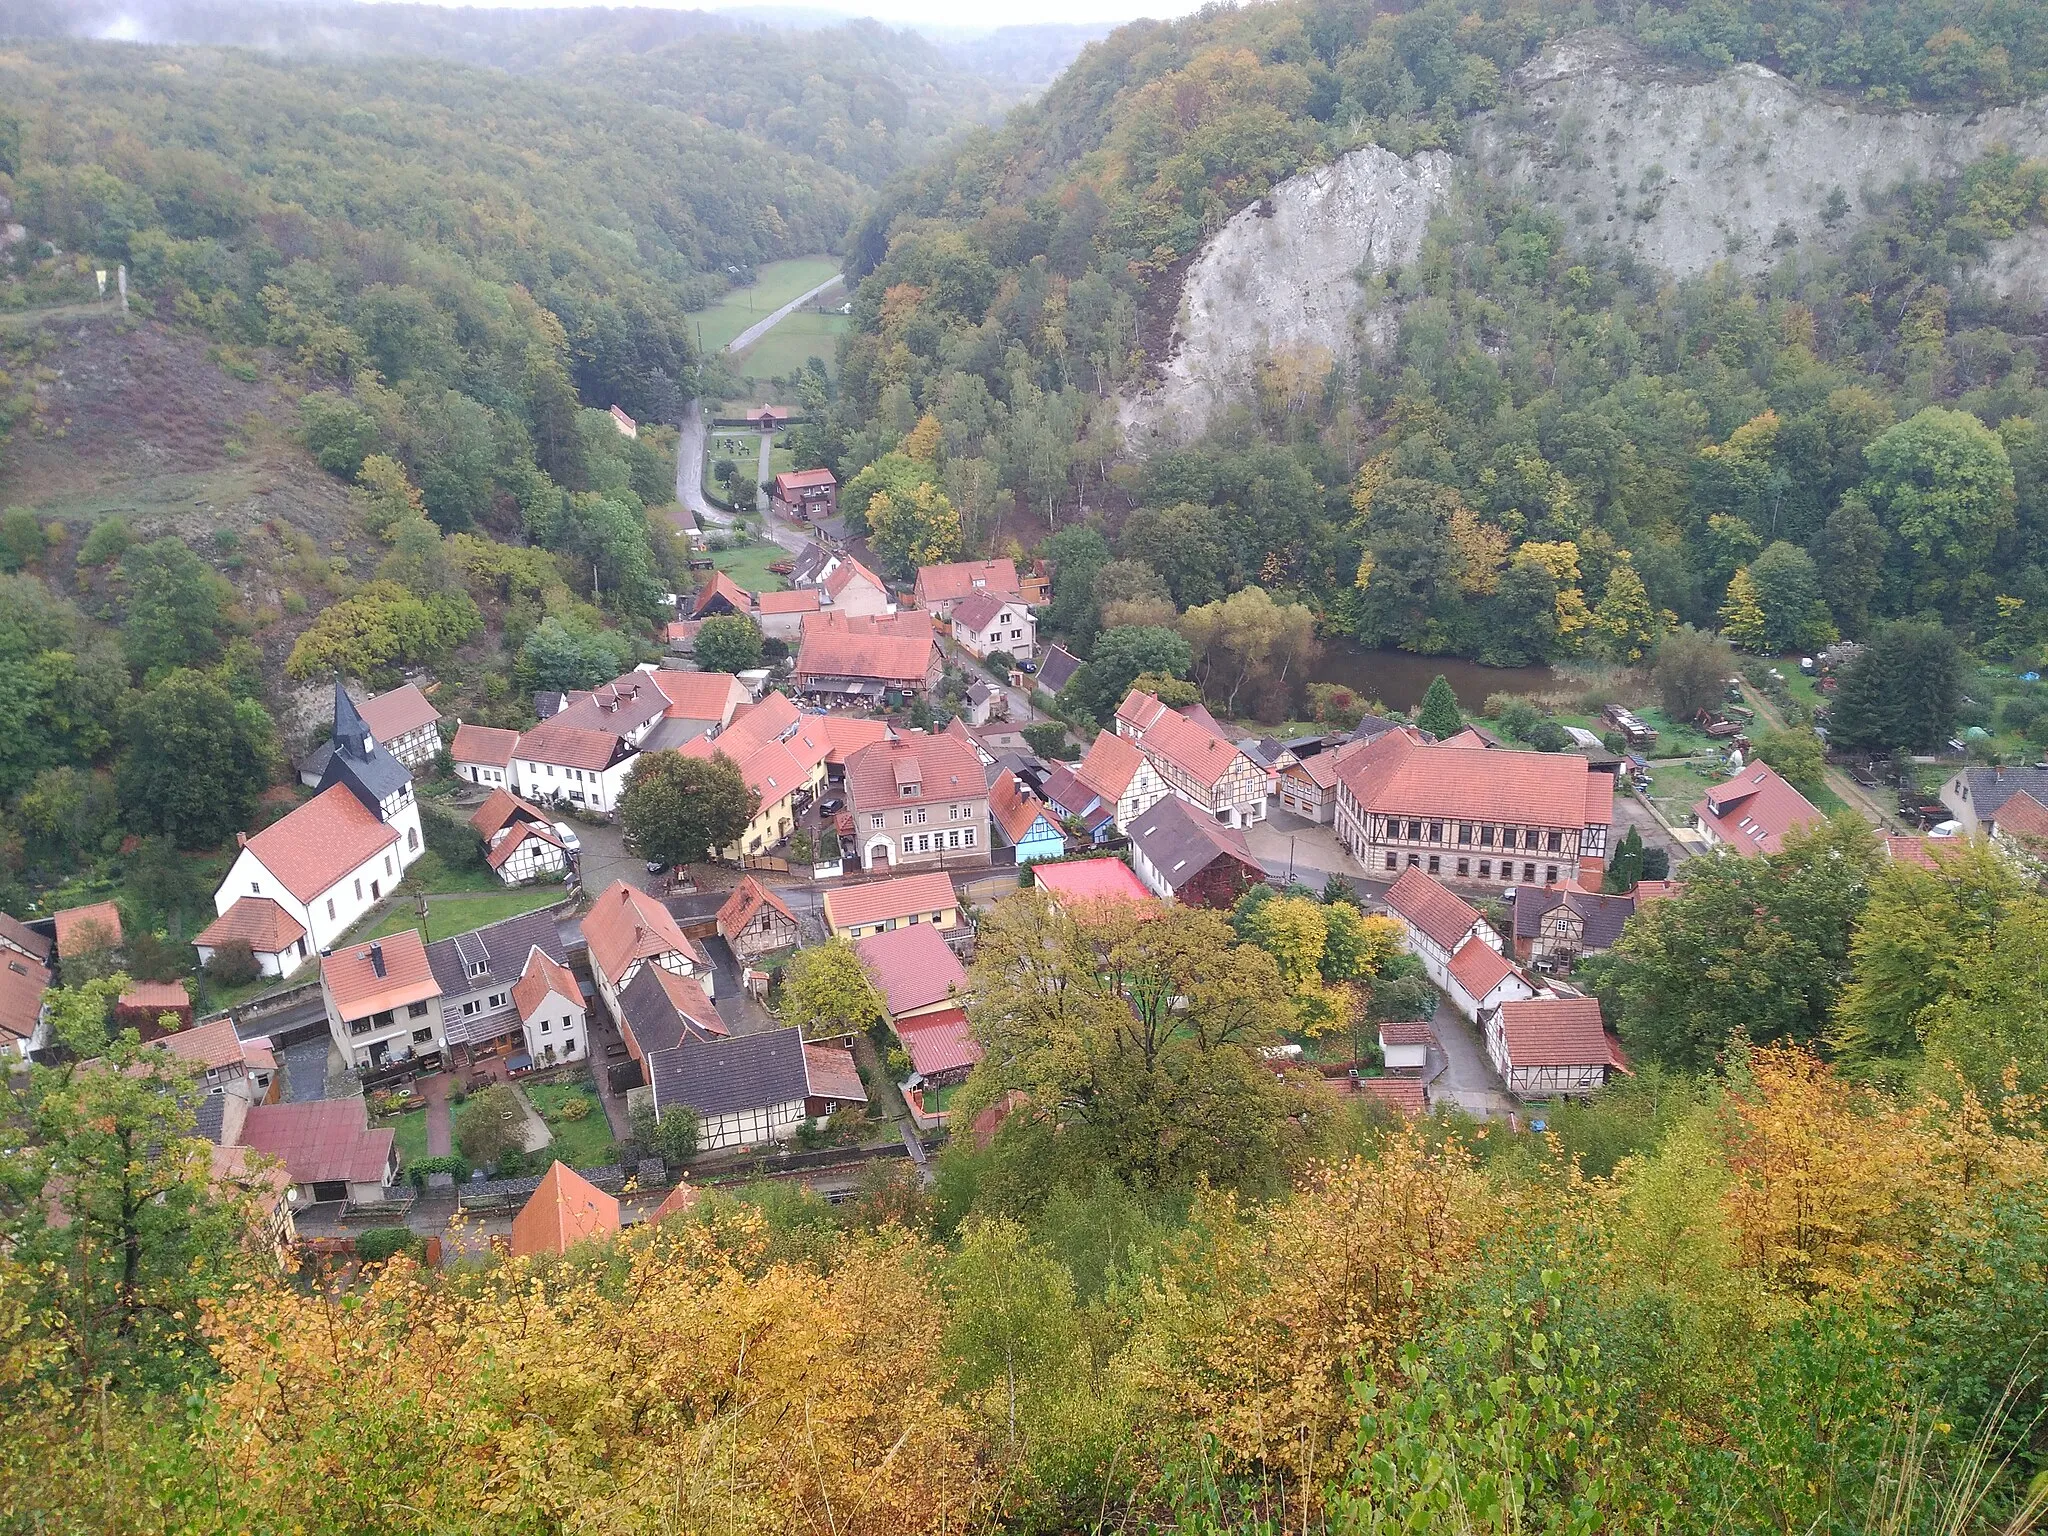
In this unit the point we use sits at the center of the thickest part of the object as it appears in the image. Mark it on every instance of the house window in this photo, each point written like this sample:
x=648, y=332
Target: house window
x=970, y=837
x=875, y=821
x=1414, y=831
x=387, y=863
x=1464, y=832
x=1554, y=842
x=1464, y=868
x=568, y=1046
x=472, y=1008
x=1486, y=837
x=1528, y=871
x=1550, y=874
x=497, y=999
x=1486, y=869
x=908, y=791
x=1415, y=861
x=256, y=887
x=953, y=840
x=422, y=1036
x=545, y=1026
x=359, y=890
x=416, y=1011
x=1392, y=862
x=1435, y=864
x=412, y=839
x=330, y=906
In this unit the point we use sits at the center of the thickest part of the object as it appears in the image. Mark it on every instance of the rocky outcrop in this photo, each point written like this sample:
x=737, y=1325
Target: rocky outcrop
x=1682, y=170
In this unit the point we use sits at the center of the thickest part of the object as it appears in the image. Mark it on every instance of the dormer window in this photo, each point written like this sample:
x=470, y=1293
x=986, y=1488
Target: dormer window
x=909, y=790
x=479, y=967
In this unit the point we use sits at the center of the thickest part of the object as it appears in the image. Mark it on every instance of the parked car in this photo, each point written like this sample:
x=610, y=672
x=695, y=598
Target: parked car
x=568, y=836
x=655, y=866
x=831, y=805
x=1027, y=667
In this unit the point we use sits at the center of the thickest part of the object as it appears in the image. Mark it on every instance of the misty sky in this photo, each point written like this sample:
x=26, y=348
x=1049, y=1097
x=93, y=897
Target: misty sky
x=934, y=13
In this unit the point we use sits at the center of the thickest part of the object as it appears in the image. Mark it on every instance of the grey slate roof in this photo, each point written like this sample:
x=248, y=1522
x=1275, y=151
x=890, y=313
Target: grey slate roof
x=1602, y=915
x=657, y=1024
x=548, y=704
x=502, y=946
x=668, y=735
x=210, y=1116
x=1373, y=726
x=372, y=774
x=1989, y=788
x=722, y=1077
x=1180, y=841
x=1056, y=668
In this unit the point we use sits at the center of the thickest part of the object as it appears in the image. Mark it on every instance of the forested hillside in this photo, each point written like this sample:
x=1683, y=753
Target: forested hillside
x=1543, y=448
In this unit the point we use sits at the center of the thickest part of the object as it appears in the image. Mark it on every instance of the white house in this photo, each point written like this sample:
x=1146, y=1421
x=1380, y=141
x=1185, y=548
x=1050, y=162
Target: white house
x=1123, y=776
x=383, y=1003
x=482, y=754
x=1405, y=1043
x=1481, y=978
x=626, y=929
x=478, y=974
x=520, y=842
x=561, y=761
x=751, y=1090
x=1437, y=922
x=551, y=1014
x=274, y=936
x=987, y=622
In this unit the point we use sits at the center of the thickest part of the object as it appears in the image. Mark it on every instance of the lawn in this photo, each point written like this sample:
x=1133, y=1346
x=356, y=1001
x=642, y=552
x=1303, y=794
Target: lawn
x=748, y=565
x=585, y=1143
x=774, y=286
x=1677, y=786
x=451, y=914
x=412, y=1136
x=800, y=337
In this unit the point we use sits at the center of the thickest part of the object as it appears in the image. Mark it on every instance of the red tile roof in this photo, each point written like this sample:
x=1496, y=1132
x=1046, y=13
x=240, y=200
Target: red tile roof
x=1425, y=903
x=323, y=1141
x=625, y=924
x=565, y=1210
x=1558, y=1032
x=212, y=1045
x=483, y=744
x=847, y=734
x=849, y=570
x=22, y=985
x=25, y=938
x=73, y=921
x=2022, y=817
x=1927, y=852
x=976, y=613
x=722, y=585
x=699, y=695
x=1402, y=1093
x=156, y=996
x=258, y=922
x=1090, y=880
x=803, y=600
x=829, y=1073
x=682, y=1198
x=510, y=842
x=1015, y=809
x=1111, y=764
x=939, y=1042
x=833, y=647
x=1479, y=968
x=939, y=768
x=502, y=806
x=745, y=903
x=394, y=714
x=1407, y=1032
x=802, y=479
x=911, y=967
x=859, y=906
x=1200, y=753
x=1394, y=775
x=963, y=578
x=310, y=850
x=351, y=975
x=1753, y=811
x=541, y=978
x=571, y=746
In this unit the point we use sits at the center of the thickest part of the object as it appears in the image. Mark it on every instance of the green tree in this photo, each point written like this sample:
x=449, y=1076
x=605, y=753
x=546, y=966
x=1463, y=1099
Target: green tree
x=1787, y=589
x=1625, y=868
x=1015, y=1330
x=670, y=1135
x=193, y=760
x=175, y=607
x=565, y=654
x=1797, y=756
x=729, y=643
x=1941, y=484
x=1743, y=623
x=22, y=539
x=490, y=1124
x=1626, y=622
x=340, y=433
x=67, y=816
x=1691, y=670
x=1077, y=555
x=1121, y=657
x=1902, y=690
x=1439, y=714
x=912, y=529
x=682, y=810
x=828, y=992
x=384, y=496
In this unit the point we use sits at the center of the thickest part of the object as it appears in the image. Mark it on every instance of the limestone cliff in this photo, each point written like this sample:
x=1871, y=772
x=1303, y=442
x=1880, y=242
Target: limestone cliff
x=1684, y=170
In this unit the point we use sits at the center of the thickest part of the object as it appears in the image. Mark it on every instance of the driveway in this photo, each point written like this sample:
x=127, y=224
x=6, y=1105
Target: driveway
x=604, y=858
x=690, y=468
x=1284, y=839
x=742, y=1015
x=1461, y=1075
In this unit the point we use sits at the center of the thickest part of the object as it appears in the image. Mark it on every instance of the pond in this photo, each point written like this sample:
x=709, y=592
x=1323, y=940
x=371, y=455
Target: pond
x=1398, y=679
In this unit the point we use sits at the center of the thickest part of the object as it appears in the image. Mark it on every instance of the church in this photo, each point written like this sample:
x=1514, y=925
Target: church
x=301, y=883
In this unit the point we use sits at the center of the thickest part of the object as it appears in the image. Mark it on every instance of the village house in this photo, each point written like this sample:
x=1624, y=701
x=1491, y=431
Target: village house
x=327, y=1147
x=276, y=939
x=146, y=1006
x=721, y=598
x=1552, y=1047
x=753, y=1090
x=1194, y=759
x=941, y=588
x=781, y=754
x=16, y=937
x=383, y=1003
x=697, y=704
x=915, y=971
x=1079, y=882
x=88, y=932
x=809, y=495
x=1558, y=925
x=626, y=929
x=755, y=921
x=226, y=1063
x=406, y=725
x=985, y=624
x=561, y=763
x=565, y=1210
x=1405, y=1044
x=780, y=615
x=1974, y=795
x=24, y=1019
x=1035, y=585
x=1752, y=813
x=1023, y=820
x=1056, y=670
x=1481, y=978
x=1488, y=817
x=982, y=701
x=629, y=707
x=552, y=1016
x=2019, y=830
x=854, y=912
x=767, y=418
x=867, y=658
x=918, y=800
x=1078, y=804
x=482, y=754
x=520, y=842
x=658, y=1010
x=1123, y=776
x=1184, y=856
x=1307, y=786
x=477, y=974
x=1437, y=921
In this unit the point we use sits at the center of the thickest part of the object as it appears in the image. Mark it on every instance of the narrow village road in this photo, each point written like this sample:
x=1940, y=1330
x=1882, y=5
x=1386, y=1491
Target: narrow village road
x=760, y=328
x=690, y=467
x=1851, y=792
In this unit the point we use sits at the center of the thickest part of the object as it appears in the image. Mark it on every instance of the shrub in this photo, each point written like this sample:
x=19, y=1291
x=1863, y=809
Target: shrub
x=577, y=1108
x=491, y=1124
x=377, y=1244
x=1048, y=740
x=1548, y=736
x=517, y=1163
x=1517, y=716
x=898, y=1062
x=108, y=541
x=454, y=1165
x=233, y=965
x=672, y=1137
x=2020, y=712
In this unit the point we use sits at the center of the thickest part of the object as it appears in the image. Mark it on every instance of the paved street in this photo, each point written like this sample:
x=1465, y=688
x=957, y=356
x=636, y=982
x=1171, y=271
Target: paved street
x=604, y=858
x=1461, y=1075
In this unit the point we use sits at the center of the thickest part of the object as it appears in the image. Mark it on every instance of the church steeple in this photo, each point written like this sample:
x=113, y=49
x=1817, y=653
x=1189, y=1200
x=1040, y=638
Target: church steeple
x=351, y=735
x=354, y=758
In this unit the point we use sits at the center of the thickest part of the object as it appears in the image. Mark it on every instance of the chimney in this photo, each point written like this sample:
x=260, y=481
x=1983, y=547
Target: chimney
x=241, y=839
x=377, y=958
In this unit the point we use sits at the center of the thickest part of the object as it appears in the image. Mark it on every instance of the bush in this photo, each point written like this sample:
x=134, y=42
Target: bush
x=454, y=1165
x=233, y=965
x=577, y=1108
x=455, y=843
x=377, y=1244
x=518, y=1163
x=2020, y=712
x=108, y=541
x=1548, y=736
x=898, y=1062
x=491, y=1124
x=1517, y=716
x=672, y=1137
x=1000, y=663
x=1048, y=740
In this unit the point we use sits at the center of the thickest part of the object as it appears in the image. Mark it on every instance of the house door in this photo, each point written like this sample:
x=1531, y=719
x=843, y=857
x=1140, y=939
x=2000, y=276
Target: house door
x=375, y=893
x=878, y=854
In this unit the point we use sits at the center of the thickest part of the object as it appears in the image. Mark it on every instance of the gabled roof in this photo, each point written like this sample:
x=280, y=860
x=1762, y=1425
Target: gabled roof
x=625, y=924
x=722, y=586
x=745, y=904
x=155, y=997
x=731, y=1076
x=1180, y=842
x=319, y=843
x=1066, y=791
x=1193, y=748
x=1986, y=789
x=544, y=977
x=2023, y=817
x=1753, y=811
x=566, y=745
x=857, y=906
x=322, y=1141
x=1056, y=668
x=24, y=938
x=982, y=609
x=699, y=695
x=501, y=948
x=803, y=600
x=911, y=967
x=617, y=708
x=73, y=923
x=963, y=578
x=1402, y=1093
x=1112, y=762
x=1089, y=880
x=1427, y=905
x=833, y=646
x=939, y=1042
x=22, y=985
x=372, y=975
x=1558, y=1032
x=357, y=759
x=565, y=1210
x=829, y=1073
x=847, y=571
x=1407, y=1032
x=510, y=841
x=502, y=806
x=258, y=922
x=399, y=712
x=1602, y=915
x=213, y=1046
x=801, y=479
x=483, y=744
x=1015, y=810
x=1926, y=852
x=1479, y=968
x=1396, y=776
x=663, y=1009
x=934, y=768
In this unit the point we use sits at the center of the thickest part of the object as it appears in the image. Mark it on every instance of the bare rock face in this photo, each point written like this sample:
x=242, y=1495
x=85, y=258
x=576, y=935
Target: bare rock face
x=1285, y=278
x=1683, y=170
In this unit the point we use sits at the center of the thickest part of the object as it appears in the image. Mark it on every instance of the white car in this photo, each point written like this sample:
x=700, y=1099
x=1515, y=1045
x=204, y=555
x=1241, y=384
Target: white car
x=568, y=836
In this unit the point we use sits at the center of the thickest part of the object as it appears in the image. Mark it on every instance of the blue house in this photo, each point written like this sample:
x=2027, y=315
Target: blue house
x=1024, y=820
x=1071, y=798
